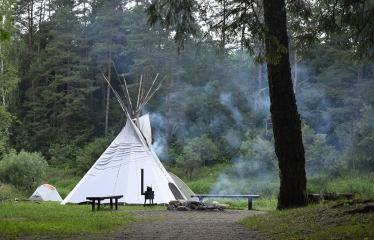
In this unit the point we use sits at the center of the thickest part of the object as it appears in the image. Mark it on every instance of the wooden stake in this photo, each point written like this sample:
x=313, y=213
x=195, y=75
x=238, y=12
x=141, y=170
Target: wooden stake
x=139, y=91
x=128, y=95
x=150, y=88
x=121, y=103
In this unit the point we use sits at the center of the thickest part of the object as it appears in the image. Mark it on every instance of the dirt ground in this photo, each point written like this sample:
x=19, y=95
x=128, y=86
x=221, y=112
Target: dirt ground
x=194, y=225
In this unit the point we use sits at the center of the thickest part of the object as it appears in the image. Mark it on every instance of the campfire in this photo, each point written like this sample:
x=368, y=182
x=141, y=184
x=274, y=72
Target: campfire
x=193, y=206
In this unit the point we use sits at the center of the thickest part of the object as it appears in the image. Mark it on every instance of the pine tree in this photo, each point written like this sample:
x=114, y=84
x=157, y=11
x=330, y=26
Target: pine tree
x=107, y=35
x=57, y=107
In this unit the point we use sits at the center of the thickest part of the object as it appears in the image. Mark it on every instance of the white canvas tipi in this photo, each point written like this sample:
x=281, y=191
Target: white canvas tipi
x=46, y=192
x=118, y=170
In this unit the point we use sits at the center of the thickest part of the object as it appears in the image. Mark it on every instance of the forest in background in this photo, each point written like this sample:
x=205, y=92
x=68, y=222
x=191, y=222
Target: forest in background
x=212, y=110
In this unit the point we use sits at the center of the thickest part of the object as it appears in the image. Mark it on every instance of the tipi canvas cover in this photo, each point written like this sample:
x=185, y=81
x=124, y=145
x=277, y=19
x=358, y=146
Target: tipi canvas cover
x=117, y=171
x=46, y=192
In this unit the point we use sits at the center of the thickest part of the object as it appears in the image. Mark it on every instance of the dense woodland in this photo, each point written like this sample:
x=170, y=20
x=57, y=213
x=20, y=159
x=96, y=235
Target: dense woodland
x=212, y=109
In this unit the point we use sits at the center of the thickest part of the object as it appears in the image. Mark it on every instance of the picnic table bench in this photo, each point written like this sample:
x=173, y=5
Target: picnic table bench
x=248, y=196
x=99, y=199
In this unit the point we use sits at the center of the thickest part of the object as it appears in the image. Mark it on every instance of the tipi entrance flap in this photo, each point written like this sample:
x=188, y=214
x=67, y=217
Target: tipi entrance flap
x=177, y=194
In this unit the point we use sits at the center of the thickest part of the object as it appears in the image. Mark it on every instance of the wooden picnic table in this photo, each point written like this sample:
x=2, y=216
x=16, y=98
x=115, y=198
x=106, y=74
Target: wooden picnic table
x=99, y=199
x=248, y=196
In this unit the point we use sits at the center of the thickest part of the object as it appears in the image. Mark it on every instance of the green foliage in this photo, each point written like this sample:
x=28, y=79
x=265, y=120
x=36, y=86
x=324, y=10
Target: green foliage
x=363, y=155
x=5, y=10
x=318, y=152
x=63, y=153
x=5, y=122
x=56, y=103
x=10, y=192
x=24, y=170
x=190, y=161
x=4, y=35
x=196, y=153
x=9, y=78
x=31, y=219
x=88, y=155
x=204, y=147
x=178, y=15
x=257, y=155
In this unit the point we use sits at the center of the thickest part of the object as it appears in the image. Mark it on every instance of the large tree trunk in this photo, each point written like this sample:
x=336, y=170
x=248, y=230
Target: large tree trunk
x=286, y=120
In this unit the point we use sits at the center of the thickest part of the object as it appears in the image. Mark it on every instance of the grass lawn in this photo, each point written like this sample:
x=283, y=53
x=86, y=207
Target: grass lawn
x=30, y=219
x=322, y=221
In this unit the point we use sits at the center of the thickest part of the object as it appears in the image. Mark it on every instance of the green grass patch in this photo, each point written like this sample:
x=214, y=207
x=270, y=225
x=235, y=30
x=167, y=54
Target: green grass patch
x=265, y=203
x=358, y=183
x=31, y=219
x=313, y=222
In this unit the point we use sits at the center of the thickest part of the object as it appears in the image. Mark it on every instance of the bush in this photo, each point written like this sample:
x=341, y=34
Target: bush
x=256, y=158
x=9, y=192
x=87, y=156
x=23, y=170
x=197, y=152
x=63, y=153
x=319, y=155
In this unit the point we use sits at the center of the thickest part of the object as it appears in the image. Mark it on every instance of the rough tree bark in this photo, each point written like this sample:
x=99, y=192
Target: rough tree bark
x=286, y=120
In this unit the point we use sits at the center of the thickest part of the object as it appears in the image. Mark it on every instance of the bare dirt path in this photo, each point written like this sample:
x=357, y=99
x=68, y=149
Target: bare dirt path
x=194, y=225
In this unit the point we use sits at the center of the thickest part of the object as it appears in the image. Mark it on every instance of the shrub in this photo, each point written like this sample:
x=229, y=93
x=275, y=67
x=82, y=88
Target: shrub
x=9, y=192
x=257, y=157
x=63, y=153
x=23, y=170
x=190, y=161
x=87, y=156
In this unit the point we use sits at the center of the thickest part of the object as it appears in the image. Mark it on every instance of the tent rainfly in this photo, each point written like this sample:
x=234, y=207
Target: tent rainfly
x=46, y=192
x=118, y=169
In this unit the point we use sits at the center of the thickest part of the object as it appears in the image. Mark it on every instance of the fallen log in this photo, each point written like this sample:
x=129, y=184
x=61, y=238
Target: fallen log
x=314, y=198
x=363, y=209
x=338, y=196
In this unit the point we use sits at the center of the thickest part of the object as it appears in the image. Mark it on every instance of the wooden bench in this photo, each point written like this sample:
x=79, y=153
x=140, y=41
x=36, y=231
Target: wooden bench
x=99, y=199
x=249, y=197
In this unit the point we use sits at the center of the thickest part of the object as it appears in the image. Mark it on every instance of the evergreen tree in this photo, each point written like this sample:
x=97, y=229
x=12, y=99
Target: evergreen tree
x=107, y=36
x=57, y=105
x=8, y=73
